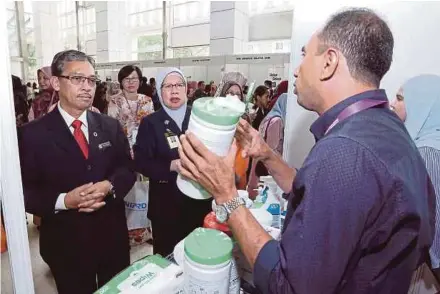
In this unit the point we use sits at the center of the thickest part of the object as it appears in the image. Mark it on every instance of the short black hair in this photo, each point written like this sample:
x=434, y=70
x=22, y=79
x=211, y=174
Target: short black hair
x=268, y=83
x=126, y=71
x=62, y=57
x=200, y=83
x=364, y=39
x=152, y=81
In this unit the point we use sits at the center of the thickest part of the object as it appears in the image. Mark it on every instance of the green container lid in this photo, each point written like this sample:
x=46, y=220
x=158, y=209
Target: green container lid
x=220, y=116
x=208, y=247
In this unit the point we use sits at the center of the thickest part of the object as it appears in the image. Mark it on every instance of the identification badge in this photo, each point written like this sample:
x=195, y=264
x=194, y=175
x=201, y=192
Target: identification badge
x=173, y=140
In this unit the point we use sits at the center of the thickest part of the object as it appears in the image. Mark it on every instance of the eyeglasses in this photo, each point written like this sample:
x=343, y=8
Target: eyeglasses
x=169, y=87
x=232, y=93
x=79, y=80
x=130, y=80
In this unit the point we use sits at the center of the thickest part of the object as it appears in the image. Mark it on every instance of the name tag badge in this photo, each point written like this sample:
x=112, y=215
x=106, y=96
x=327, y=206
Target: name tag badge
x=173, y=141
x=105, y=145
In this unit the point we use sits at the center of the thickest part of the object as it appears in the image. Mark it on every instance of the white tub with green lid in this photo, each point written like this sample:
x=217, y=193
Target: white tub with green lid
x=207, y=262
x=213, y=121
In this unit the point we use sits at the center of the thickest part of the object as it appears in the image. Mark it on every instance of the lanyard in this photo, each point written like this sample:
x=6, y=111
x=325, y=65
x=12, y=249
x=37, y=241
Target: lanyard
x=355, y=108
x=131, y=110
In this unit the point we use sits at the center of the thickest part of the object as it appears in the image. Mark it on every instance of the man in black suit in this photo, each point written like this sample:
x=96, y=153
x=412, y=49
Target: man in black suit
x=76, y=170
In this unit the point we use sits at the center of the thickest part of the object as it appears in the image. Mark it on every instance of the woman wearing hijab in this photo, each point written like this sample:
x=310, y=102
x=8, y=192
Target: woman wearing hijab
x=47, y=96
x=282, y=88
x=173, y=215
x=272, y=131
x=418, y=104
x=232, y=88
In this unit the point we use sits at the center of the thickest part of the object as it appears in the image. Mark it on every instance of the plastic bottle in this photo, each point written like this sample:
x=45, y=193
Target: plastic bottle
x=207, y=262
x=213, y=121
x=272, y=203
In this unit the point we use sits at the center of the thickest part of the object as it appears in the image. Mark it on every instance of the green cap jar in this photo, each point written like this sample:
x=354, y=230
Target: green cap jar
x=222, y=111
x=208, y=247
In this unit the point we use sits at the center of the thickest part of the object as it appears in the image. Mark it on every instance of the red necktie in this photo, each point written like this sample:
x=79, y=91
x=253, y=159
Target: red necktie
x=80, y=138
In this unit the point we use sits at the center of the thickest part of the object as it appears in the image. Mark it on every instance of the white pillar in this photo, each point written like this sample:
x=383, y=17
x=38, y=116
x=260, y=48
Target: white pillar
x=112, y=38
x=10, y=178
x=229, y=27
x=48, y=39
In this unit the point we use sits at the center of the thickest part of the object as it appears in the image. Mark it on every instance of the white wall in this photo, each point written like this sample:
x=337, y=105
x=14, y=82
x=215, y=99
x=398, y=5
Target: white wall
x=47, y=34
x=194, y=35
x=415, y=26
x=273, y=26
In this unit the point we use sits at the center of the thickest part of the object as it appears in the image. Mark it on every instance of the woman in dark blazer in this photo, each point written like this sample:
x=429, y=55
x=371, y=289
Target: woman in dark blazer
x=173, y=215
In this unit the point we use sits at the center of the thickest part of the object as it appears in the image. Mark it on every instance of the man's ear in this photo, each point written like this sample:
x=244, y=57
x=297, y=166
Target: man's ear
x=55, y=83
x=331, y=61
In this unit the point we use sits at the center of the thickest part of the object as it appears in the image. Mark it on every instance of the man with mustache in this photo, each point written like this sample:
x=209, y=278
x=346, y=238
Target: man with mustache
x=361, y=211
x=76, y=170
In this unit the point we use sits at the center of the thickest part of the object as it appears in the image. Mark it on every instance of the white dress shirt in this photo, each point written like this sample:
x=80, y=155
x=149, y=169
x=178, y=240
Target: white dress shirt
x=60, y=205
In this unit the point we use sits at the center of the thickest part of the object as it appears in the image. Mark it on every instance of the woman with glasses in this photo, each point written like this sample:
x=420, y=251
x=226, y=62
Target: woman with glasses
x=129, y=107
x=173, y=215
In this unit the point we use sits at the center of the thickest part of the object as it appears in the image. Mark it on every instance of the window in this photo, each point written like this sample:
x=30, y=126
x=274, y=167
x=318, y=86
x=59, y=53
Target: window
x=263, y=7
x=149, y=47
x=191, y=51
x=190, y=11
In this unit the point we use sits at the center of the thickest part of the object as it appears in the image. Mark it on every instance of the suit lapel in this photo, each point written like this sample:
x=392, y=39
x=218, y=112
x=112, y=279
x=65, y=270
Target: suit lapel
x=96, y=134
x=186, y=120
x=62, y=135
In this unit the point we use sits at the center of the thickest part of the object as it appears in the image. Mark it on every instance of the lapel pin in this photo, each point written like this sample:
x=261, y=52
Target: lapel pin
x=95, y=134
x=167, y=122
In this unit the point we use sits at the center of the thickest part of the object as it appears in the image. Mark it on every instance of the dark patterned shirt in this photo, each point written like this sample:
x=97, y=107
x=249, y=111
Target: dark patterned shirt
x=361, y=211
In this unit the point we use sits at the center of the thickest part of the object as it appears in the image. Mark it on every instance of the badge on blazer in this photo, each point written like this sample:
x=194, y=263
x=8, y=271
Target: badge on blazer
x=172, y=139
x=105, y=145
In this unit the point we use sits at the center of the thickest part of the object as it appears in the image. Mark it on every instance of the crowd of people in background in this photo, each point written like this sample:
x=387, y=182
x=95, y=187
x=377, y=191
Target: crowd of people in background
x=133, y=96
x=33, y=100
x=358, y=190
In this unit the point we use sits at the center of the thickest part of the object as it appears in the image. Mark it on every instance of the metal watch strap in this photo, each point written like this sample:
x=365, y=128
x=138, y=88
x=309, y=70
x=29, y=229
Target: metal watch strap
x=112, y=191
x=233, y=204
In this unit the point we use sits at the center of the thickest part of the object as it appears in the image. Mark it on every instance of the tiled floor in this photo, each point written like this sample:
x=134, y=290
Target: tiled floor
x=43, y=280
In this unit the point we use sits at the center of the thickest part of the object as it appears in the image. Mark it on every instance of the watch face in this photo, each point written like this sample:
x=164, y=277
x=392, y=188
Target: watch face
x=221, y=214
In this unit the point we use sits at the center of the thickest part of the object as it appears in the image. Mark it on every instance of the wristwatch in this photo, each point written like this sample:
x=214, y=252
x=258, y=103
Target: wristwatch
x=223, y=211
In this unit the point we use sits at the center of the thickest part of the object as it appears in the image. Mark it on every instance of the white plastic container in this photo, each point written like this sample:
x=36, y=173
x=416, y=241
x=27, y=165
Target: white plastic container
x=263, y=217
x=215, y=130
x=207, y=263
